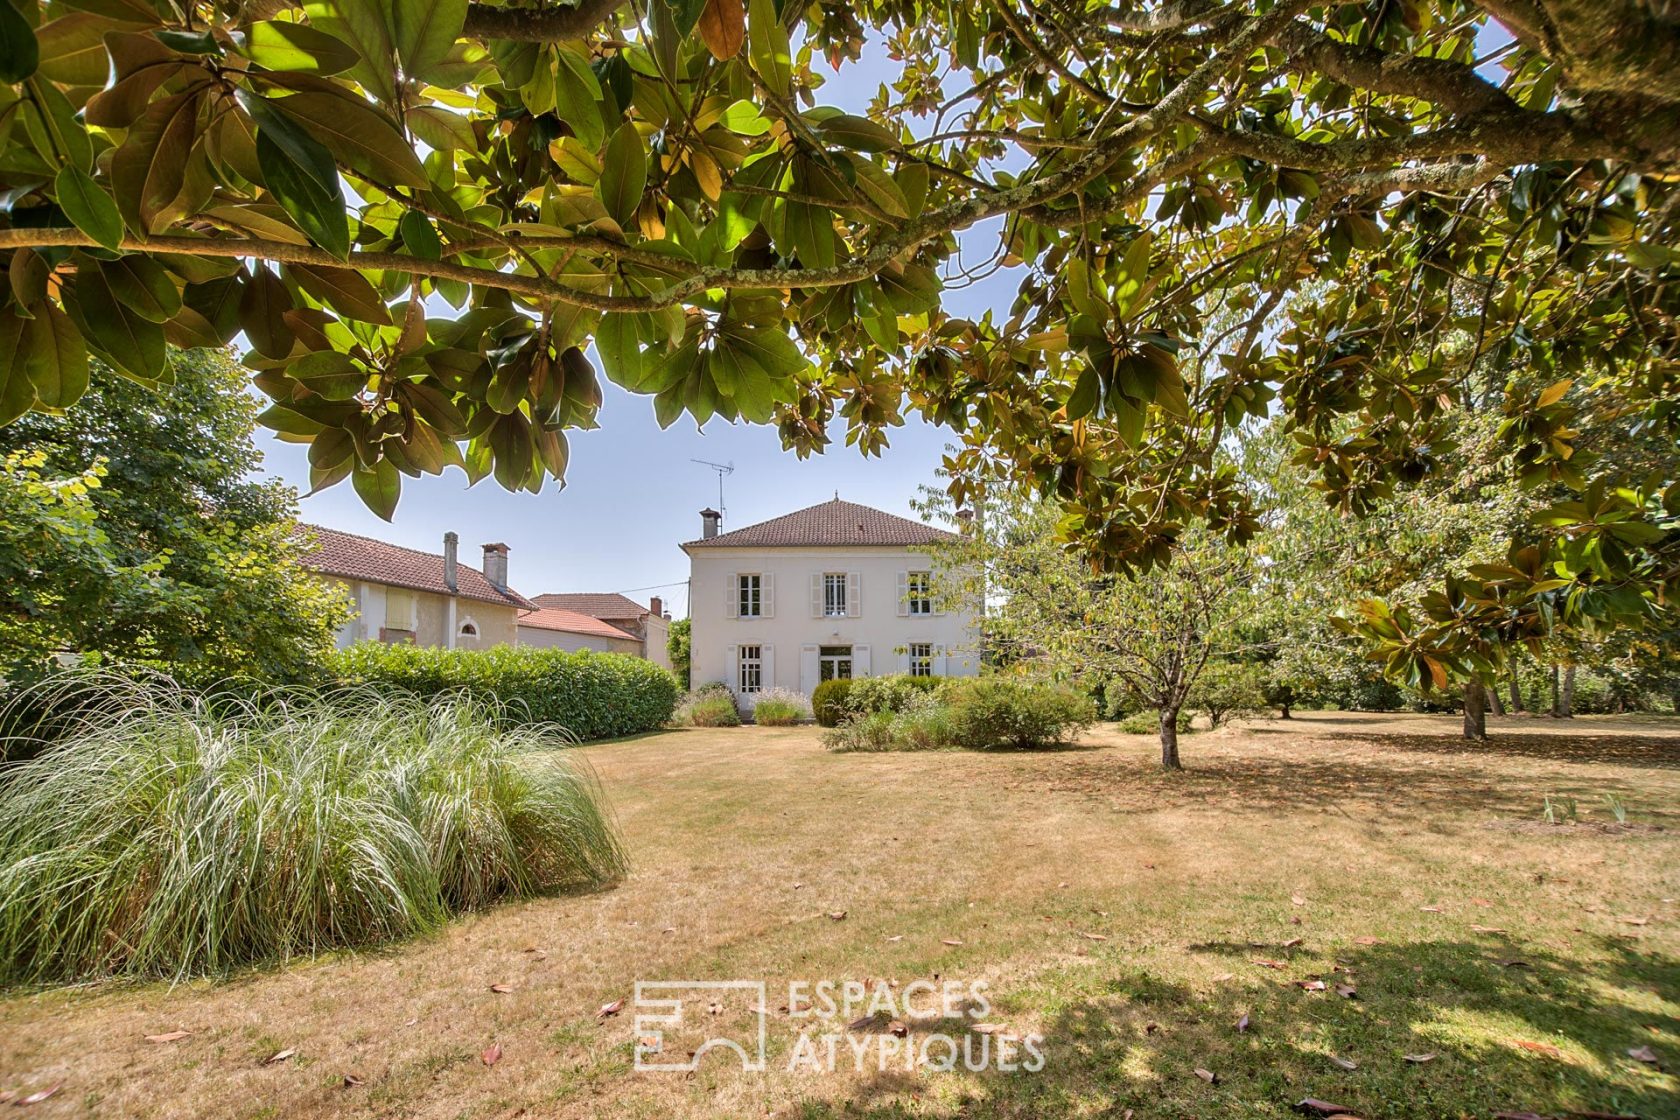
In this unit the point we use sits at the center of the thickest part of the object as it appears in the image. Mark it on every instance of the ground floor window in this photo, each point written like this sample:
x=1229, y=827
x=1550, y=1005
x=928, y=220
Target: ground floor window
x=921, y=659
x=834, y=663
x=751, y=664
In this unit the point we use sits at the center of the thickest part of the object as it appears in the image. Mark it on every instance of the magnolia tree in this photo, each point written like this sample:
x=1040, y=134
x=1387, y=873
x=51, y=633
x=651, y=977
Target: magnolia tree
x=419, y=215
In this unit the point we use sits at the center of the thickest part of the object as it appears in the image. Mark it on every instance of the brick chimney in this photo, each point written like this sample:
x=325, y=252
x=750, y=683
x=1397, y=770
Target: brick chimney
x=709, y=519
x=495, y=565
x=656, y=607
x=451, y=559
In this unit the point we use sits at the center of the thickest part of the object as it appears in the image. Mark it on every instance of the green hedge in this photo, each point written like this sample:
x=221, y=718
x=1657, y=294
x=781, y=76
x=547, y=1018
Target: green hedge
x=592, y=695
x=828, y=701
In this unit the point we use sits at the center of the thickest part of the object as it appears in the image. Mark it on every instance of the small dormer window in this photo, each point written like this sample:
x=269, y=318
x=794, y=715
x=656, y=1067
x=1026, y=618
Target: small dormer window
x=469, y=629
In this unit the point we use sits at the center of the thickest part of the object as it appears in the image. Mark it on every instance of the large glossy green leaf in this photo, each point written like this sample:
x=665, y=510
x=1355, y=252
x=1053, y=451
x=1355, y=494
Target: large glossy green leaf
x=319, y=213
x=358, y=135
x=297, y=48
x=131, y=343
x=86, y=204
x=423, y=31
x=17, y=391
x=73, y=49
x=365, y=25
x=263, y=303
x=331, y=374
x=344, y=290
x=767, y=46
x=55, y=357
x=149, y=170
x=19, y=53
x=623, y=174
x=140, y=284
x=379, y=487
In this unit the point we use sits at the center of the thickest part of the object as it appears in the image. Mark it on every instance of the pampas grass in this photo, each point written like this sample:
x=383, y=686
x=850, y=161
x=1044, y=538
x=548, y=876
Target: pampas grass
x=164, y=833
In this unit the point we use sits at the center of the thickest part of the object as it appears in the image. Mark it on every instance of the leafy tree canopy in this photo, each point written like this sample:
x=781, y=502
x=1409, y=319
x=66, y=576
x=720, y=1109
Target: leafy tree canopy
x=666, y=179
x=130, y=530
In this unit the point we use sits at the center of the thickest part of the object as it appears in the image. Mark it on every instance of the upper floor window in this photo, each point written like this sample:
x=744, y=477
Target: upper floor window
x=750, y=667
x=919, y=592
x=749, y=596
x=834, y=594
x=921, y=659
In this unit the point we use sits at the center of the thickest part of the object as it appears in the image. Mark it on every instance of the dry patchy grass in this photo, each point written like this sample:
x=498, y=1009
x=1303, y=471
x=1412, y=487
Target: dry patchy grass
x=1391, y=850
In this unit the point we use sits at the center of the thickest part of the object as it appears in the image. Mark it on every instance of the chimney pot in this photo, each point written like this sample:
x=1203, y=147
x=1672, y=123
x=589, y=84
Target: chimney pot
x=656, y=607
x=496, y=565
x=451, y=559
x=709, y=519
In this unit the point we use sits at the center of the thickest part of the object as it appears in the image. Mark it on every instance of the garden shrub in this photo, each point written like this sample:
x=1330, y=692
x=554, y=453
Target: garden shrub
x=829, y=701
x=992, y=713
x=712, y=711
x=779, y=707
x=166, y=836
x=893, y=693
x=1226, y=689
x=1149, y=723
x=870, y=732
x=592, y=695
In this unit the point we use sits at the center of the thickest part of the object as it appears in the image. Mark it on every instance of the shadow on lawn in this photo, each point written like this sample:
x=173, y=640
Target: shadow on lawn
x=1131, y=1040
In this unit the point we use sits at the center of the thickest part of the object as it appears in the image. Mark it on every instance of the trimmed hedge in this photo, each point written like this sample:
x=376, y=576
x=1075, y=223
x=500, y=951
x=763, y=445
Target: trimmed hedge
x=592, y=695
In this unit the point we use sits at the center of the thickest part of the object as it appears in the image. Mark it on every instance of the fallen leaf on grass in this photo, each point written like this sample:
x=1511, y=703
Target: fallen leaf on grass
x=989, y=1028
x=836, y=915
x=1095, y=936
x=610, y=1009
x=897, y=1029
x=1480, y=902
x=351, y=1081
x=1545, y=1048
x=1297, y=900
x=1643, y=1054
x=1207, y=1075
x=1264, y=963
x=1487, y=929
x=1291, y=943
x=1367, y=941
x=1430, y=909
x=171, y=1036
x=1312, y=1106
x=950, y=941
x=493, y=1055
x=1634, y=921
x=1515, y=963
x=501, y=989
x=863, y=1024
x=1347, y=991
x=714, y=1009
x=1242, y=1024
x=896, y=937
x=1419, y=1059
x=1344, y=1063
x=1310, y=985
x=280, y=1056
x=37, y=1098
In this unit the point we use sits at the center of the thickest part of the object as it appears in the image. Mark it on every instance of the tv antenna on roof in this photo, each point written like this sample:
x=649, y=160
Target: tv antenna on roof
x=721, y=469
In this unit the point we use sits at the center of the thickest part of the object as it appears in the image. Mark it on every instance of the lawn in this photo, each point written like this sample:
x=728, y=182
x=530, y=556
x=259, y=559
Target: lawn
x=1132, y=919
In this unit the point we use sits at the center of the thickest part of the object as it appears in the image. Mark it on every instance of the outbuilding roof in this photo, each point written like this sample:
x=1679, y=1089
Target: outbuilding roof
x=348, y=556
x=572, y=622
x=595, y=604
x=829, y=524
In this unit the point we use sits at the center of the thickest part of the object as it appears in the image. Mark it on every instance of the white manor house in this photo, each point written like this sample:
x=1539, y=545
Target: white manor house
x=835, y=590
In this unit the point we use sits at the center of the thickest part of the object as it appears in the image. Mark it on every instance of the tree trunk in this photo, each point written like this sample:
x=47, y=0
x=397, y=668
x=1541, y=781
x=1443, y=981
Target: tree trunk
x=1517, y=707
x=1493, y=704
x=1557, y=709
x=1567, y=710
x=1475, y=710
x=1169, y=739
x=1283, y=708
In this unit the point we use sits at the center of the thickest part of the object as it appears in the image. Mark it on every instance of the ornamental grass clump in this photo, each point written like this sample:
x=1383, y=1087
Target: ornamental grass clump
x=168, y=834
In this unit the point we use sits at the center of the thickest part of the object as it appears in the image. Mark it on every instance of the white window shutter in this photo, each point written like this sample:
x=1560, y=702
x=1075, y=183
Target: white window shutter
x=903, y=594
x=733, y=654
x=816, y=594
x=767, y=666
x=767, y=595
x=732, y=608
x=903, y=659
x=854, y=594
x=939, y=661
x=860, y=661
x=807, y=669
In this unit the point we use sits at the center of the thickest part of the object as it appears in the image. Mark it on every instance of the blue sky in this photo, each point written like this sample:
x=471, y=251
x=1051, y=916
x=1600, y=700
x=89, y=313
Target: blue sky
x=632, y=495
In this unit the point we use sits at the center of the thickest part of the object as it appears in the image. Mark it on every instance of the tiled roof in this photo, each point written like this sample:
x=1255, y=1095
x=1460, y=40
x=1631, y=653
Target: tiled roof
x=572, y=622
x=592, y=603
x=834, y=523
x=349, y=556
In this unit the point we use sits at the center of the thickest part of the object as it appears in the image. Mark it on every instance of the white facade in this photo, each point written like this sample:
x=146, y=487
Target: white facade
x=793, y=616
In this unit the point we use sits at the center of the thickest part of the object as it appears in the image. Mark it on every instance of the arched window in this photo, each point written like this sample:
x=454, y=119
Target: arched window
x=469, y=629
